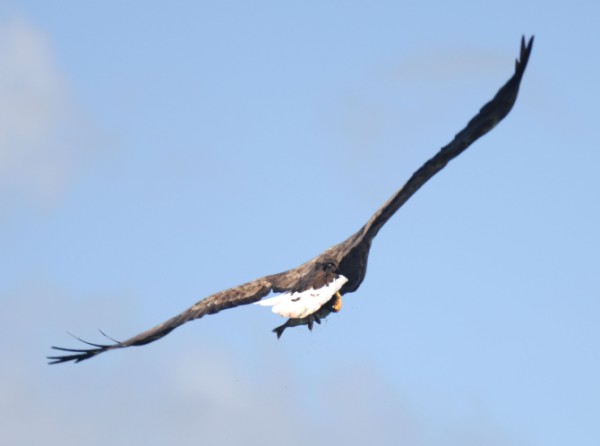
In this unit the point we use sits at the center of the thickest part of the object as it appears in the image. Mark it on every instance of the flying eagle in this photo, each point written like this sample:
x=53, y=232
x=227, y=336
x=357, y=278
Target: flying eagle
x=310, y=292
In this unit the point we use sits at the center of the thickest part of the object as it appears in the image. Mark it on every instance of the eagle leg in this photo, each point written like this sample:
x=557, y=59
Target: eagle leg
x=336, y=303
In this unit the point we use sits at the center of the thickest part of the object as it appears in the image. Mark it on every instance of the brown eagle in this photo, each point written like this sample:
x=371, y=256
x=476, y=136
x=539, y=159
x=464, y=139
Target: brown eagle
x=313, y=290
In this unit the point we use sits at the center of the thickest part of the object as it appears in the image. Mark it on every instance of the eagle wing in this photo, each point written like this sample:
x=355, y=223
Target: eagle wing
x=487, y=118
x=244, y=294
x=312, y=274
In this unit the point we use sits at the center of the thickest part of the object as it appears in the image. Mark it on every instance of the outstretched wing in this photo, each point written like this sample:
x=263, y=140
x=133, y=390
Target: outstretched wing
x=244, y=294
x=487, y=118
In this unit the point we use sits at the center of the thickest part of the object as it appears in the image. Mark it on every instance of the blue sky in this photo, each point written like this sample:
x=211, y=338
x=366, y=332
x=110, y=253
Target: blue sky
x=151, y=155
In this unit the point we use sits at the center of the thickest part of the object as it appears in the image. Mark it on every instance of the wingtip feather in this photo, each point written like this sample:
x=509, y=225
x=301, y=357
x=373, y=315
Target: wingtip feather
x=81, y=354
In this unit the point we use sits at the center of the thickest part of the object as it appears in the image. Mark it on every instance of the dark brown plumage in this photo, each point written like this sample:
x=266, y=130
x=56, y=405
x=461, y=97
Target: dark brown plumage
x=348, y=258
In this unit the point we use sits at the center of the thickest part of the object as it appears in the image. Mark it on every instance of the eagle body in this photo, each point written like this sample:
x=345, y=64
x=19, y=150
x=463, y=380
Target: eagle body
x=313, y=290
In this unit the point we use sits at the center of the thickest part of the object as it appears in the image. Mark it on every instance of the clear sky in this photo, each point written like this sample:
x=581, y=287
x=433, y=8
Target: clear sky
x=151, y=155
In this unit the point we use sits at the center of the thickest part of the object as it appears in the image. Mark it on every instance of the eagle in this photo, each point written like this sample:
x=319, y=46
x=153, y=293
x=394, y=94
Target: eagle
x=310, y=292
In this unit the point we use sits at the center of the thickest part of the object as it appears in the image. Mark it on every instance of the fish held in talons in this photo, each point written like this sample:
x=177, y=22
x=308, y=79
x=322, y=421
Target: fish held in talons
x=332, y=306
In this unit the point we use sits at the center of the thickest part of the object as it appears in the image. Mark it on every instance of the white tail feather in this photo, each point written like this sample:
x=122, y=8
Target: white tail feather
x=301, y=304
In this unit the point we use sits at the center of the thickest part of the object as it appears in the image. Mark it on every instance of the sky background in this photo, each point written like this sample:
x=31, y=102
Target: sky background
x=151, y=155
